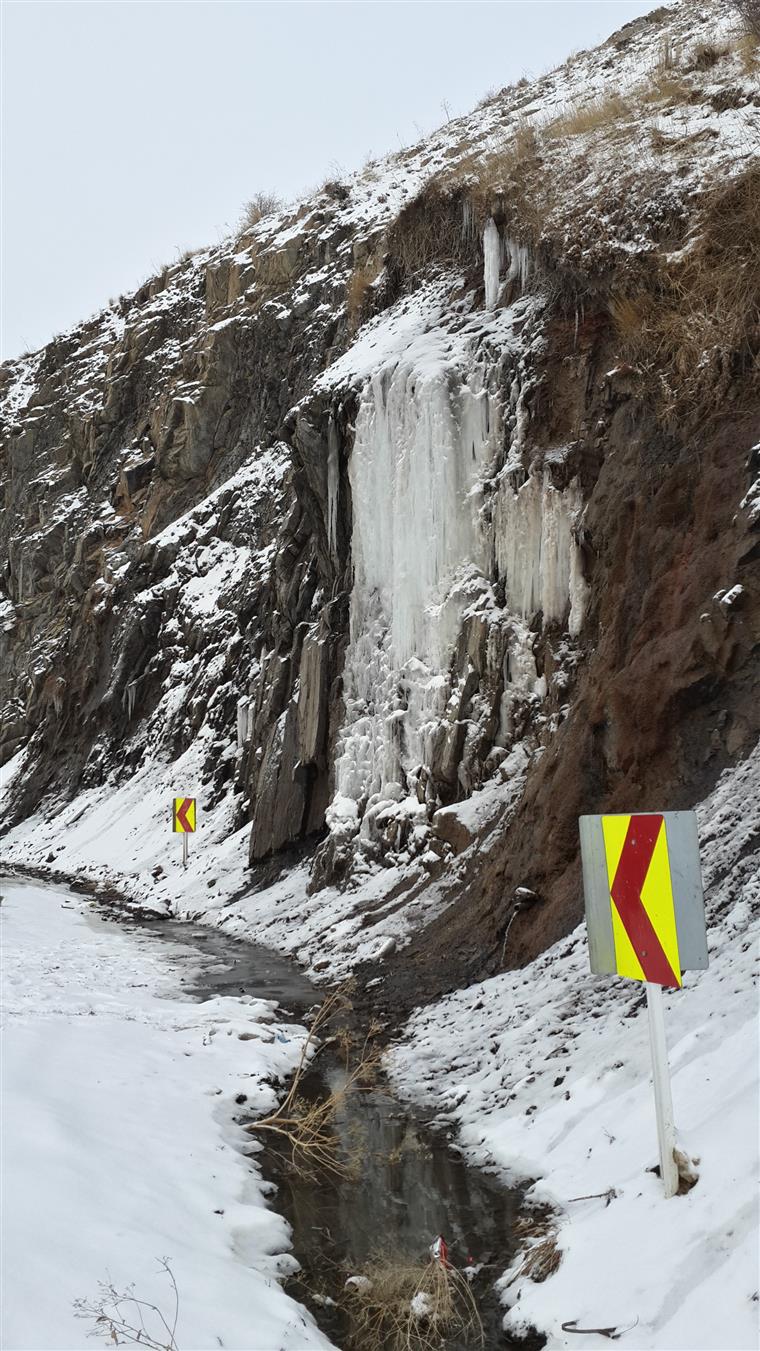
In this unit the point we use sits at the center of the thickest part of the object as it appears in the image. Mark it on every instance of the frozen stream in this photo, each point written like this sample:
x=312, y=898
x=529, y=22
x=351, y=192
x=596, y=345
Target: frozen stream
x=133, y=1053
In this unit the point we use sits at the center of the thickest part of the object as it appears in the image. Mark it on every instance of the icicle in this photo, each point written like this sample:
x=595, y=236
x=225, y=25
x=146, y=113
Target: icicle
x=491, y=263
x=519, y=263
x=129, y=698
x=333, y=478
x=536, y=552
x=242, y=721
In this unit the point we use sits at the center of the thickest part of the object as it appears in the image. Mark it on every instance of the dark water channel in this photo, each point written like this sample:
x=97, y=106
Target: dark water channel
x=407, y=1183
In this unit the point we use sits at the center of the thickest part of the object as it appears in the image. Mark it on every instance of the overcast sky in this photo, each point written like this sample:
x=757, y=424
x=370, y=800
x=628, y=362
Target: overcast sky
x=132, y=131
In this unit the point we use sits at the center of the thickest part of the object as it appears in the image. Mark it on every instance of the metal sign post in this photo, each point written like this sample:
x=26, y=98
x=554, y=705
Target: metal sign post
x=663, y=1100
x=645, y=919
x=183, y=822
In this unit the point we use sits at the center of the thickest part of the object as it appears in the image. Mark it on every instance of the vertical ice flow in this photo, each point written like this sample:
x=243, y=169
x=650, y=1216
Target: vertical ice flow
x=333, y=479
x=491, y=263
x=535, y=552
x=426, y=438
x=423, y=439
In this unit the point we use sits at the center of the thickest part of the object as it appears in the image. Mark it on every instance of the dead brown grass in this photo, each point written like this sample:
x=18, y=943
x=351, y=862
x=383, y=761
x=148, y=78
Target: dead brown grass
x=304, y=1126
x=665, y=86
x=748, y=49
x=412, y=1306
x=430, y=230
x=538, y=1239
x=706, y=55
x=358, y=289
x=703, y=307
x=598, y=113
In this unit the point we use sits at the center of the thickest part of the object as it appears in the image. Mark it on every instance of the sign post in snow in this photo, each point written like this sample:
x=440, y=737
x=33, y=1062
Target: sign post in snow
x=183, y=820
x=646, y=921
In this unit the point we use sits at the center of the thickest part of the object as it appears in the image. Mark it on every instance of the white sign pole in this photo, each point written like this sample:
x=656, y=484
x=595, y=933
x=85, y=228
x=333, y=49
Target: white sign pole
x=184, y=849
x=663, y=1101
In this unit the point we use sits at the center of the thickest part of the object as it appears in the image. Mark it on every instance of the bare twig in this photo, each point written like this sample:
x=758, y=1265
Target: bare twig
x=113, y=1314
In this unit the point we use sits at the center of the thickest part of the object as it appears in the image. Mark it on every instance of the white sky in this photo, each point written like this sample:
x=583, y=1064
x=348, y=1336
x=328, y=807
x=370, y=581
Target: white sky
x=132, y=131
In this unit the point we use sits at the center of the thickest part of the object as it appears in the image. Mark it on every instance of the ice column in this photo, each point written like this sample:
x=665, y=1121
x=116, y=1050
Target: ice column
x=491, y=263
x=519, y=263
x=333, y=471
x=535, y=551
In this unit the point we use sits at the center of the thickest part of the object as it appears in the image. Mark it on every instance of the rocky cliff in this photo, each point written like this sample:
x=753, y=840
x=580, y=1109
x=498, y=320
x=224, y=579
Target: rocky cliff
x=413, y=521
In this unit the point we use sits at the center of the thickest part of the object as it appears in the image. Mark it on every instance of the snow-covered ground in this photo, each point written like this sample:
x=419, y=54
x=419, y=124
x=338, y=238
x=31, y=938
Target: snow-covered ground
x=120, y=833
x=545, y=1073
x=118, y=1143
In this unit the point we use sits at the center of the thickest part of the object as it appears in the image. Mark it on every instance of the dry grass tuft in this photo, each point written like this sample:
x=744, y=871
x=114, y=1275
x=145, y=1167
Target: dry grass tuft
x=706, y=55
x=541, y=1260
x=525, y=143
x=748, y=49
x=704, y=305
x=538, y=1235
x=430, y=230
x=592, y=116
x=666, y=86
x=357, y=291
x=412, y=1306
x=303, y=1126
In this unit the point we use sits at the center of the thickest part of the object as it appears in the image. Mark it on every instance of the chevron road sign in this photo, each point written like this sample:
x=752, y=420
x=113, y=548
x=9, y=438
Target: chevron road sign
x=184, y=815
x=183, y=821
x=643, y=887
x=646, y=921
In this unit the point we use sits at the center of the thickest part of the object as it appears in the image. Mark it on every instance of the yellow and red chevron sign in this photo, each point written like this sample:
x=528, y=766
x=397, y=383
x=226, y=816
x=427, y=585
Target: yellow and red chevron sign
x=644, y=907
x=183, y=815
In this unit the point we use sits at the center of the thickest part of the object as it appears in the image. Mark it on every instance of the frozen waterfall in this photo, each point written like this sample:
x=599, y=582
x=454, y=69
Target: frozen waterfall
x=427, y=547
x=423, y=439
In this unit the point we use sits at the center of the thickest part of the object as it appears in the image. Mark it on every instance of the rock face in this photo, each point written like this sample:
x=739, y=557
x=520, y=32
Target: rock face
x=433, y=478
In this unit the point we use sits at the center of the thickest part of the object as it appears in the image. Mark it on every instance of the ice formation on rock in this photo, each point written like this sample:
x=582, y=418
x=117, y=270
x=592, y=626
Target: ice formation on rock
x=423, y=439
x=519, y=262
x=425, y=557
x=535, y=551
x=333, y=481
x=491, y=263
